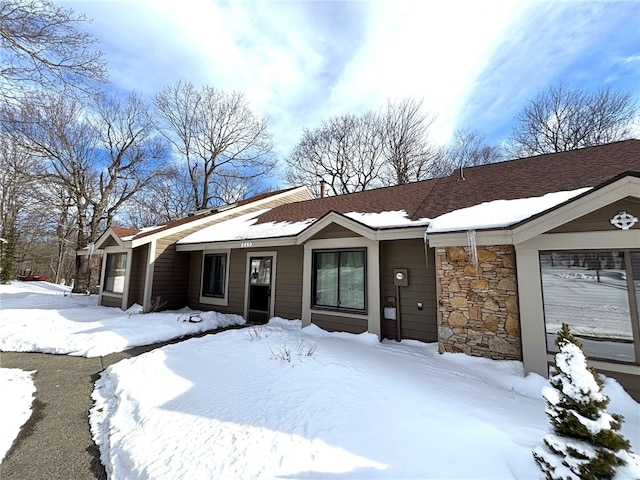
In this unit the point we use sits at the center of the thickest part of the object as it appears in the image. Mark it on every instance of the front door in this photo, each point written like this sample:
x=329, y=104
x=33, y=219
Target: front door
x=259, y=301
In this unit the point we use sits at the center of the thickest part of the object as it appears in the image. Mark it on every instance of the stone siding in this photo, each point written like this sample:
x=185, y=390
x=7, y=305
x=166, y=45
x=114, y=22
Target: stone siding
x=478, y=302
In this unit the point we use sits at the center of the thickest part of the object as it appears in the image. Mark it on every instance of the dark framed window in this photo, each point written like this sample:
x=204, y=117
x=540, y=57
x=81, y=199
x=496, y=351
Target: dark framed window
x=340, y=279
x=115, y=272
x=596, y=293
x=214, y=273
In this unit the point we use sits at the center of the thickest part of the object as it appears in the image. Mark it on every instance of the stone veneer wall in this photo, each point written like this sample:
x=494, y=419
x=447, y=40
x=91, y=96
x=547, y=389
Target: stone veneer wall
x=478, y=306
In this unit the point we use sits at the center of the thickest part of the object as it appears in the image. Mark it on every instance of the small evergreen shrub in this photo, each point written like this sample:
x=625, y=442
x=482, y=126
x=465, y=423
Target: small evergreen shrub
x=585, y=443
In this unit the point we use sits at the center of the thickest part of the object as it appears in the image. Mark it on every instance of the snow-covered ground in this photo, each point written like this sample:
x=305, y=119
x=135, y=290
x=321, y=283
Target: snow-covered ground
x=43, y=317
x=281, y=401
x=285, y=401
x=17, y=396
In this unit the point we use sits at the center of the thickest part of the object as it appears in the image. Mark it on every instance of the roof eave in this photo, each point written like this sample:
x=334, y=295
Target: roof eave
x=215, y=215
x=110, y=233
x=377, y=234
x=621, y=186
x=238, y=244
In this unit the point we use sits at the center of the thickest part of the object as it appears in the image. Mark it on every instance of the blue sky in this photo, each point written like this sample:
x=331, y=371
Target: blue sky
x=473, y=63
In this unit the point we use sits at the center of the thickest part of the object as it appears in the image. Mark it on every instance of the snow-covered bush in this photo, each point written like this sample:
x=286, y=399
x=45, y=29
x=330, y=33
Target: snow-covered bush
x=585, y=443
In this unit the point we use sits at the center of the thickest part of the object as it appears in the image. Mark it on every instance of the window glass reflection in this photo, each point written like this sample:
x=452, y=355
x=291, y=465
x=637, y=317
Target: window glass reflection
x=588, y=291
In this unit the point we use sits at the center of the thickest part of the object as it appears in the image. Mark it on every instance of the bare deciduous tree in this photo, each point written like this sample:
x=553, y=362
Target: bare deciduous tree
x=132, y=149
x=62, y=262
x=409, y=154
x=101, y=156
x=46, y=238
x=168, y=196
x=16, y=185
x=43, y=46
x=468, y=148
x=227, y=189
x=561, y=118
x=164, y=198
x=346, y=152
x=218, y=136
x=357, y=152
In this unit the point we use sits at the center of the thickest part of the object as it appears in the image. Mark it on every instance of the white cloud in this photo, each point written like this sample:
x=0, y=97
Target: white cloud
x=473, y=63
x=546, y=42
x=301, y=62
x=427, y=50
x=630, y=59
x=264, y=50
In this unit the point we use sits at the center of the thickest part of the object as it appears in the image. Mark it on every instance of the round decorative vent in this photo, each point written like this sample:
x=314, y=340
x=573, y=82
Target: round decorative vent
x=624, y=221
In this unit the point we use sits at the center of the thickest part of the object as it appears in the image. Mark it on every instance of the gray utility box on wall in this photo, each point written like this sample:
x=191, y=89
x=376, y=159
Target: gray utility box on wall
x=401, y=277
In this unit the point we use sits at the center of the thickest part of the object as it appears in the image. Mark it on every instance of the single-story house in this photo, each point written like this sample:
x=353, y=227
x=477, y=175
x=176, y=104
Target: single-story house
x=142, y=265
x=488, y=261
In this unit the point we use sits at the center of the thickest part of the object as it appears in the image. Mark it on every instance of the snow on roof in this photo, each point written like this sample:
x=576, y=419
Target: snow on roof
x=246, y=227
x=396, y=218
x=141, y=231
x=499, y=213
x=494, y=214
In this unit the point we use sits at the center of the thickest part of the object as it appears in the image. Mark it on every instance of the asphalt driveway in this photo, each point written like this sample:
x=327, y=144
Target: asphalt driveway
x=56, y=443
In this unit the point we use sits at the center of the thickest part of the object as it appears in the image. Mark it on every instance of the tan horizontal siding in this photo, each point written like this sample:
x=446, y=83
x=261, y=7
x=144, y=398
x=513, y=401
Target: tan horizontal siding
x=235, y=291
x=288, y=281
x=138, y=275
x=171, y=276
x=333, y=323
x=172, y=280
x=410, y=254
x=237, y=278
x=111, y=301
x=288, y=301
x=171, y=271
x=297, y=197
x=195, y=275
x=334, y=231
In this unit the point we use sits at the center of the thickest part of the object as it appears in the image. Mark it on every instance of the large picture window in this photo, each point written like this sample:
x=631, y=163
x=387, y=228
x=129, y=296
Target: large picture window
x=596, y=293
x=115, y=272
x=214, y=275
x=339, y=279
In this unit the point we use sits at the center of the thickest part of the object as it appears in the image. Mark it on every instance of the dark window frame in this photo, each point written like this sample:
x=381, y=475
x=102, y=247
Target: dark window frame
x=338, y=308
x=205, y=276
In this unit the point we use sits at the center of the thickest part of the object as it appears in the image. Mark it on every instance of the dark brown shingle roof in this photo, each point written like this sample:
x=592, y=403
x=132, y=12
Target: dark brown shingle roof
x=175, y=223
x=400, y=197
x=532, y=176
x=124, y=231
x=521, y=178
